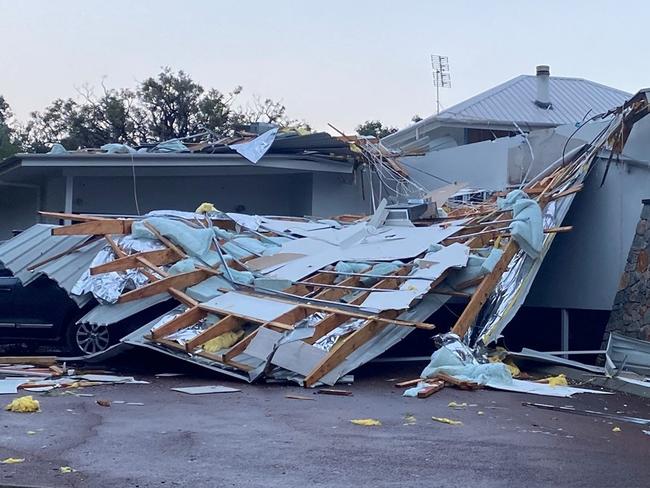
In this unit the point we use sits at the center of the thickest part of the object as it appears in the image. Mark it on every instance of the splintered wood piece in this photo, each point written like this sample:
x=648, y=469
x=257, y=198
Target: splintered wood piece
x=189, y=317
x=467, y=318
x=347, y=347
x=179, y=281
x=95, y=227
x=407, y=383
x=159, y=257
x=164, y=240
x=332, y=391
x=239, y=348
x=33, y=360
x=462, y=384
x=71, y=216
x=430, y=390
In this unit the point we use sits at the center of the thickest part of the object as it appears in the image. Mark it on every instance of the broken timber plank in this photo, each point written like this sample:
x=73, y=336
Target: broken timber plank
x=159, y=257
x=164, y=240
x=240, y=347
x=427, y=391
x=190, y=317
x=34, y=360
x=467, y=318
x=71, y=216
x=407, y=383
x=95, y=227
x=347, y=347
x=222, y=326
x=180, y=281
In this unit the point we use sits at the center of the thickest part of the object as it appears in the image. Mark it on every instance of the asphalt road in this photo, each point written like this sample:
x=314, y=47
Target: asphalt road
x=260, y=438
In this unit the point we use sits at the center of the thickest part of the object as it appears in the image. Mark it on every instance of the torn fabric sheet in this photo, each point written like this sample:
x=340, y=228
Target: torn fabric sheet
x=255, y=149
x=527, y=229
x=455, y=359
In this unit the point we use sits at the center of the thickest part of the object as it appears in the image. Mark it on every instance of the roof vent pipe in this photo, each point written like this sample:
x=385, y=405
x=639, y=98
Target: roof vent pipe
x=543, y=99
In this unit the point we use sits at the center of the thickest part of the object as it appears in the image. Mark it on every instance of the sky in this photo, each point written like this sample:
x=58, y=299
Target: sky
x=338, y=62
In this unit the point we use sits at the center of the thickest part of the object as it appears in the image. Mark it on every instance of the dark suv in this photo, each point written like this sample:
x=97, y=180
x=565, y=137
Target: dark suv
x=43, y=312
x=40, y=312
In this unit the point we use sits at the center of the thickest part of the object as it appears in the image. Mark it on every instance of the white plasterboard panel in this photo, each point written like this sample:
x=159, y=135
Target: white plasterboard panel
x=542, y=389
x=273, y=261
x=293, y=227
x=251, y=222
x=10, y=385
x=390, y=244
x=305, y=245
x=398, y=243
x=302, y=267
x=204, y=390
x=262, y=345
x=388, y=300
x=250, y=306
x=298, y=357
x=455, y=255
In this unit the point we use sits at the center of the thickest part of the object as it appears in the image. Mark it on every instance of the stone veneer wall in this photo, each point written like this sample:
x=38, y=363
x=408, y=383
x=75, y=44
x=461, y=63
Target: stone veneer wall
x=631, y=310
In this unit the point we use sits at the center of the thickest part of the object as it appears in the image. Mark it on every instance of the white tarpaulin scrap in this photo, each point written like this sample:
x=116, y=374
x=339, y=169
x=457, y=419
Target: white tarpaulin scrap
x=255, y=149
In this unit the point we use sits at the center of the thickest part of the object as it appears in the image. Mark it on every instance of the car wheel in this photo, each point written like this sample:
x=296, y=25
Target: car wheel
x=88, y=339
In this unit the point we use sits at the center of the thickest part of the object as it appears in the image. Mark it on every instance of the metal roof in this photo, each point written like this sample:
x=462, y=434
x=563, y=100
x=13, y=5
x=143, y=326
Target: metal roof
x=277, y=162
x=37, y=244
x=572, y=99
x=106, y=314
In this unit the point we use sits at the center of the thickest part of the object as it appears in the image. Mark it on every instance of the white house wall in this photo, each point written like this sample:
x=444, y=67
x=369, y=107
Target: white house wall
x=481, y=165
x=584, y=266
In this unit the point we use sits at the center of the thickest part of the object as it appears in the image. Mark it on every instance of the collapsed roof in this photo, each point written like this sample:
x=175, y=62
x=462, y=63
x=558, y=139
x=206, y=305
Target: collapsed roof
x=309, y=300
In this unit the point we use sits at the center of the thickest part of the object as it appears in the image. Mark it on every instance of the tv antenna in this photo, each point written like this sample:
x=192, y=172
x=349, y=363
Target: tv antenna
x=441, y=75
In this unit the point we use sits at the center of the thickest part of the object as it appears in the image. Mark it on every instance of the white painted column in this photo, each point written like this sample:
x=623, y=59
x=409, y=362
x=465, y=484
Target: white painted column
x=69, y=194
x=564, y=339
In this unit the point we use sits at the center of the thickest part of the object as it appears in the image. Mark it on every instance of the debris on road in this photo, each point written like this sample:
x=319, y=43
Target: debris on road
x=335, y=392
x=366, y=422
x=445, y=420
x=11, y=460
x=204, y=390
x=104, y=403
x=25, y=404
x=590, y=413
x=298, y=397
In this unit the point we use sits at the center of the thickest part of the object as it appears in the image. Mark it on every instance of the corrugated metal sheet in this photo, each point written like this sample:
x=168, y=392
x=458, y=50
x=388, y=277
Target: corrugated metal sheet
x=571, y=98
x=110, y=314
x=37, y=244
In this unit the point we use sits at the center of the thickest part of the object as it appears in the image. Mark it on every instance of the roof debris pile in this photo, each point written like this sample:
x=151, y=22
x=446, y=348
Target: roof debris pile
x=306, y=299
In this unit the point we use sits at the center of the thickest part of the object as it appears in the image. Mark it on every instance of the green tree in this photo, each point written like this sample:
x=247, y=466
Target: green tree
x=8, y=145
x=374, y=128
x=166, y=106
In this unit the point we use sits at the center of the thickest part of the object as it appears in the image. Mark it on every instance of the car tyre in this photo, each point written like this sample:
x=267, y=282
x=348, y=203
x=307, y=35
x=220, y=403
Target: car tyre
x=85, y=339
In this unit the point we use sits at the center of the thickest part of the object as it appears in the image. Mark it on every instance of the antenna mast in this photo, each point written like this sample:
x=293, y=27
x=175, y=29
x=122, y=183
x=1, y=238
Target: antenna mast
x=441, y=75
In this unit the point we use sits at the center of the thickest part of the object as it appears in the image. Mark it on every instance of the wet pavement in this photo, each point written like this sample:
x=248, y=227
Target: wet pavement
x=260, y=438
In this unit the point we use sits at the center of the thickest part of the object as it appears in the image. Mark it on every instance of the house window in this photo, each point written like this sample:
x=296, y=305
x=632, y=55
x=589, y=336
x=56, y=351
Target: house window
x=478, y=135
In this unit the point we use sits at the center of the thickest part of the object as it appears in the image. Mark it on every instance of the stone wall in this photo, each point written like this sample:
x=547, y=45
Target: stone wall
x=631, y=311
